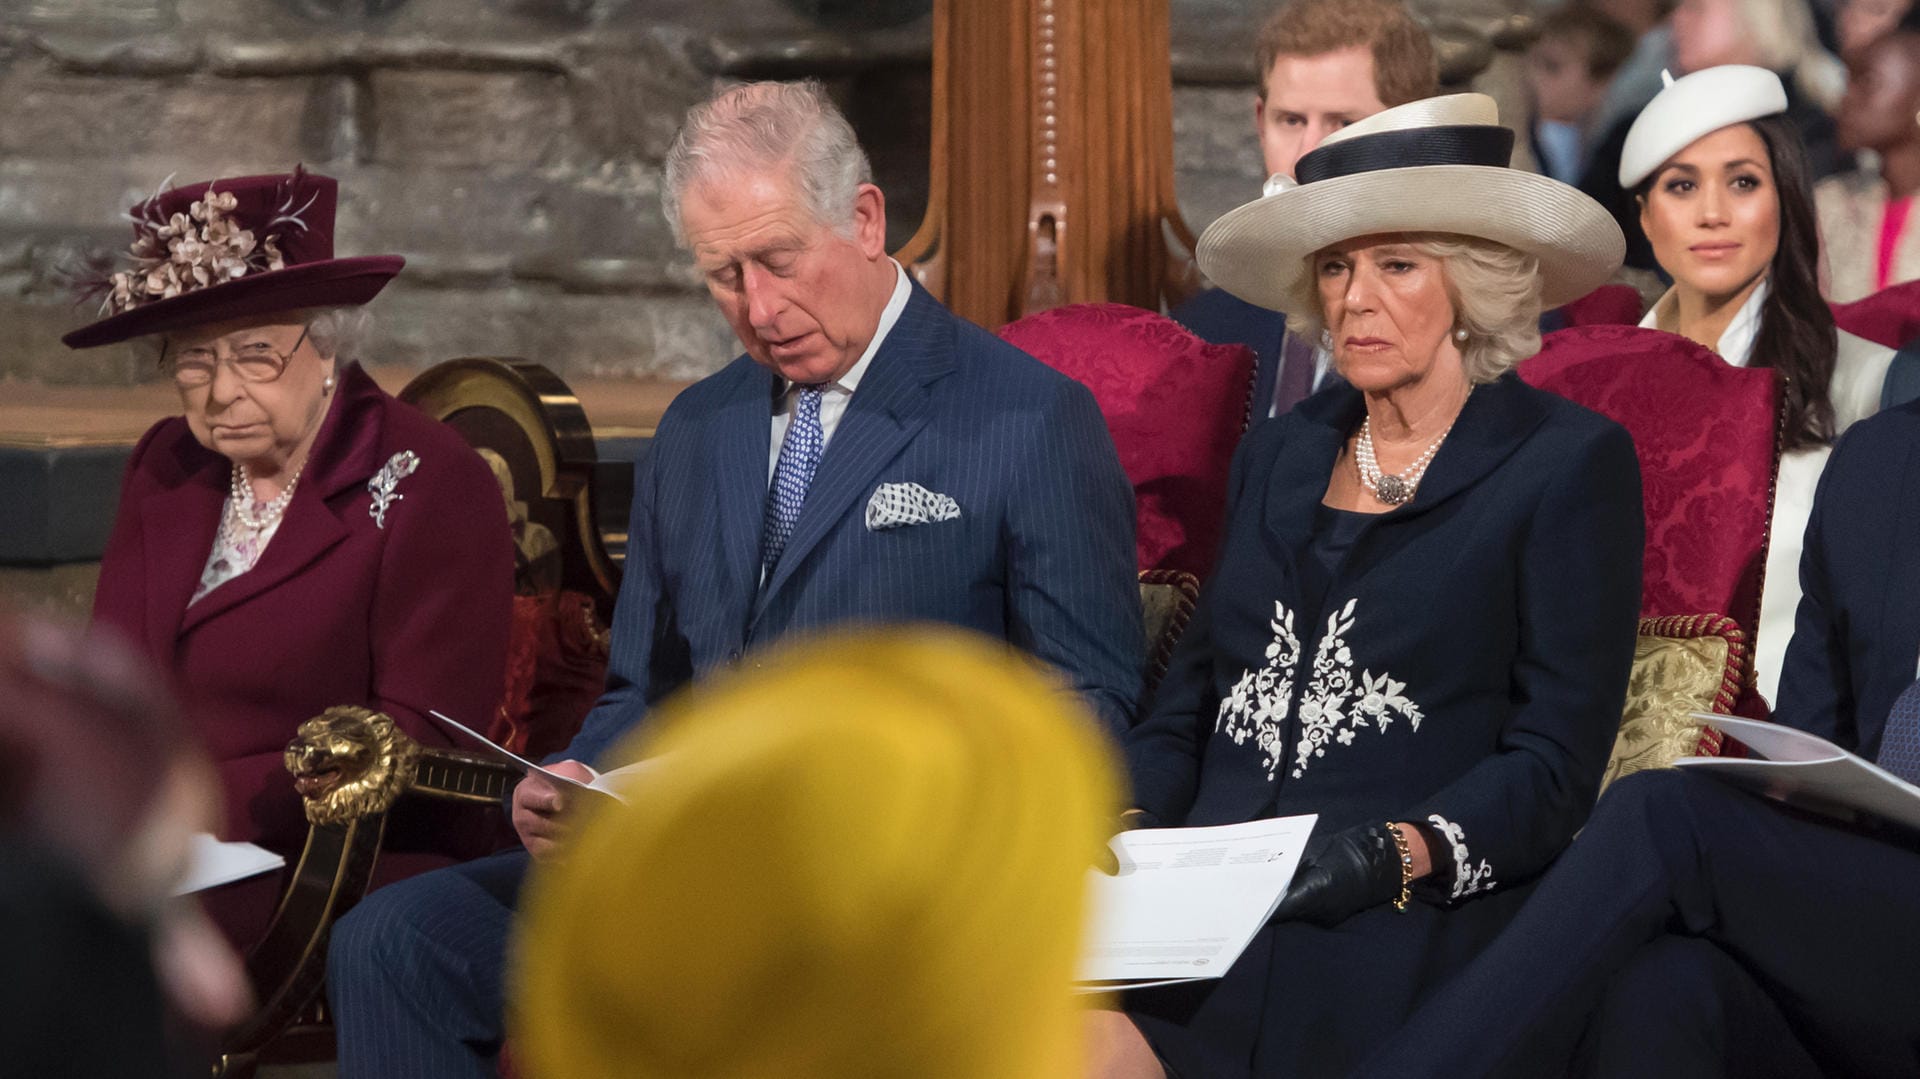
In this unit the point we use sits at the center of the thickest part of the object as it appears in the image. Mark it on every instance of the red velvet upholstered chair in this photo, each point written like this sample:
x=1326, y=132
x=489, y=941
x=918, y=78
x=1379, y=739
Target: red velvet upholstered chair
x=1608, y=305
x=1706, y=434
x=1890, y=317
x=1176, y=406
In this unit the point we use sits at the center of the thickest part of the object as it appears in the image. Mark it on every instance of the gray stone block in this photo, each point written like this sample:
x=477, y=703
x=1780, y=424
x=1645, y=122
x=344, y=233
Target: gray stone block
x=54, y=115
x=128, y=15
x=628, y=99
x=670, y=335
x=1213, y=131
x=453, y=118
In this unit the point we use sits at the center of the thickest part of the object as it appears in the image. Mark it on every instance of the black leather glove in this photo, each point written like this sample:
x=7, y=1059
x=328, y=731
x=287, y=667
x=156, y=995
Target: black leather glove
x=1357, y=869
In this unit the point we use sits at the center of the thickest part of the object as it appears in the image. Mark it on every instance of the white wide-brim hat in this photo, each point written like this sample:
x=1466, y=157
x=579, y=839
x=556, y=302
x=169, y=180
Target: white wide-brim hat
x=1691, y=107
x=1438, y=165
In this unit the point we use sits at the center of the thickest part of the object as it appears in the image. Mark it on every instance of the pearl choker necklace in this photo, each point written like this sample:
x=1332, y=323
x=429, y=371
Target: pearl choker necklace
x=1394, y=490
x=242, y=497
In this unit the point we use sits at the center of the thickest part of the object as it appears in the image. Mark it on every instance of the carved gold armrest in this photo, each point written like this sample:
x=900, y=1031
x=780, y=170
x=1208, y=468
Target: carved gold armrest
x=350, y=766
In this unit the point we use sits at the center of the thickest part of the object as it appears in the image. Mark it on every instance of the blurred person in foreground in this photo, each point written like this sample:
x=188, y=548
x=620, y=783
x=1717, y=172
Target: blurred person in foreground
x=872, y=854
x=1424, y=613
x=1323, y=64
x=870, y=459
x=296, y=538
x=101, y=788
x=1867, y=229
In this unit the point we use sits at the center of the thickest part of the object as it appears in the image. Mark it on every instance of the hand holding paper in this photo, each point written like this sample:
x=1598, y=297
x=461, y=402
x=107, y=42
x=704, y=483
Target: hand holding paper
x=1186, y=901
x=543, y=799
x=540, y=805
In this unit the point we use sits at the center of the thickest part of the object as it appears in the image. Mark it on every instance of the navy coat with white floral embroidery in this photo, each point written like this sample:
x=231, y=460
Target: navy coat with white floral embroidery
x=1467, y=673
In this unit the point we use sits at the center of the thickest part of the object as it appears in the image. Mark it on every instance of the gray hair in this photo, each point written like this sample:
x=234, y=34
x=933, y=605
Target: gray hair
x=338, y=333
x=766, y=125
x=1495, y=291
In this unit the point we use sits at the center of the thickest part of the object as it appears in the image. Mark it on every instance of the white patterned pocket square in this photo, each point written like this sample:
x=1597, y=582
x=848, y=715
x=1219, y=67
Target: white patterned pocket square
x=896, y=505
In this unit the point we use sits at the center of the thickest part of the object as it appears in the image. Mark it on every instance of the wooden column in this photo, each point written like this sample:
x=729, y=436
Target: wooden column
x=1051, y=178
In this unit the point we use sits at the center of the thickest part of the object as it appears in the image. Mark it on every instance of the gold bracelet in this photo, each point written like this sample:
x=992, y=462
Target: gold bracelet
x=1406, y=868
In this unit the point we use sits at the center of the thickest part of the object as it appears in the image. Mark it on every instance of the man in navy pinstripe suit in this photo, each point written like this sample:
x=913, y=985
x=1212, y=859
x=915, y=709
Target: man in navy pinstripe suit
x=871, y=458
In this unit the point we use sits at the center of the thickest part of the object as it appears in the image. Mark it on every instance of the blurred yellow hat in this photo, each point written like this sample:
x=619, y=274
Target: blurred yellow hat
x=865, y=857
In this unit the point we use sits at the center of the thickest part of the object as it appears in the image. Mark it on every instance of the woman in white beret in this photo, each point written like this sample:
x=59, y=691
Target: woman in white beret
x=1725, y=197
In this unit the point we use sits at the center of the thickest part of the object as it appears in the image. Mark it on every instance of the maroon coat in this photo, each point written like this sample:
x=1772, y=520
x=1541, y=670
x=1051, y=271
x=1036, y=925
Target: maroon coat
x=339, y=610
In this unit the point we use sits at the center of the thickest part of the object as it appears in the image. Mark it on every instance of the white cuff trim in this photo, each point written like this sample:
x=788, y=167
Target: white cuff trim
x=1468, y=879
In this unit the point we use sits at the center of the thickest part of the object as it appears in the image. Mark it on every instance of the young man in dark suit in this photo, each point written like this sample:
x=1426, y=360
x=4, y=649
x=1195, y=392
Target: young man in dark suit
x=870, y=459
x=1695, y=929
x=1323, y=64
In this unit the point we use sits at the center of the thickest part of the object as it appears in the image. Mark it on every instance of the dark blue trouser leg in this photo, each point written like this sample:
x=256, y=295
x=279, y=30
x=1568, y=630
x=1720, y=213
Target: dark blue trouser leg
x=1821, y=916
x=1685, y=1009
x=414, y=973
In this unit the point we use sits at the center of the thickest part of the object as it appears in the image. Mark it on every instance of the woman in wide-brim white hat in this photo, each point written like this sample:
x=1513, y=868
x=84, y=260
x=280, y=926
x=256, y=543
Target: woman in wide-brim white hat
x=1424, y=612
x=1725, y=198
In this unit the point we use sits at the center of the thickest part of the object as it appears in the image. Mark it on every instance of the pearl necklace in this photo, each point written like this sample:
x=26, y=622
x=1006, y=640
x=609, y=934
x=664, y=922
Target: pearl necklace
x=1387, y=487
x=242, y=497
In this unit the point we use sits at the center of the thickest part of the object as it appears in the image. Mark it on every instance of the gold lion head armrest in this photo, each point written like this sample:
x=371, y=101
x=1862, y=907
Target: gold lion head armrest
x=349, y=762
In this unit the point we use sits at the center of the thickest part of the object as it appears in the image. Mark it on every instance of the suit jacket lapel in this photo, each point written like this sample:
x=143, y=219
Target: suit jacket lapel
x=1900, y=616
x=178, y=528
x=742, y=443
x=346, y=452
x=1303, y=468
x=888, y=409
x=1497, y=419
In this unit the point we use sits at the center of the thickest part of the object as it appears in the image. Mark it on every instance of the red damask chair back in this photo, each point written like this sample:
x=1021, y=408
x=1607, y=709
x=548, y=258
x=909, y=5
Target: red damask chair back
x=1890, y=317
x=1176, y=406
x=1608, y=305
x=1706, y=433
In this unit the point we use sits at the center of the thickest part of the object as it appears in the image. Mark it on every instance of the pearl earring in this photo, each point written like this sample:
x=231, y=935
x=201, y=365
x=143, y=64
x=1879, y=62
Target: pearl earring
x=1460, y=335
x=326, y=384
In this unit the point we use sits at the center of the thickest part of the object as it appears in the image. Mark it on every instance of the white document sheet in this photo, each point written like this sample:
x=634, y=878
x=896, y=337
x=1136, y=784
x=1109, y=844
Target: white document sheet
x=1806, y=768
x=604, y=783
x=211, y=863
x=1187, y=901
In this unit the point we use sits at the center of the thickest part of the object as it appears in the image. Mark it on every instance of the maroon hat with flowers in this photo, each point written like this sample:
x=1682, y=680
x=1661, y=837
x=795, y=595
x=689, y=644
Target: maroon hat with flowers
x=228, y=249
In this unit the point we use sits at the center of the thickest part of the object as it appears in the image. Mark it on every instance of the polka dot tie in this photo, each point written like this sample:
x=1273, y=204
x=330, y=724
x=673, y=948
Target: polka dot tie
x=1900, y=740
x=792, y=475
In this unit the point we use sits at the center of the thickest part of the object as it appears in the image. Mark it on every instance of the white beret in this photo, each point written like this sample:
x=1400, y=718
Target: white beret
x=1697, y=105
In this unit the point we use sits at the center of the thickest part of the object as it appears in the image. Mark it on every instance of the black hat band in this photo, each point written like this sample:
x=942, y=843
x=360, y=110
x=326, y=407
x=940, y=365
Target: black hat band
x=1451, y=144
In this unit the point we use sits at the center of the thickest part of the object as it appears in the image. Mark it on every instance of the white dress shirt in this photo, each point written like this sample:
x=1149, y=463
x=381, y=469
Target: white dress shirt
x=836, y=394
x=1859, y=370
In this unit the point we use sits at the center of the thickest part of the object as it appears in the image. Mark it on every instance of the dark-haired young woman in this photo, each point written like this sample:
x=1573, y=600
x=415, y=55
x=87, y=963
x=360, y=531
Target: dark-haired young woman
x=1725, y=198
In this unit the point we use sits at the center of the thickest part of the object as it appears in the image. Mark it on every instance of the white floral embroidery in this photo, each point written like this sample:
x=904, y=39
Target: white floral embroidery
x=398, y=467
x=1467, y=877
x=1333, y=708
x=1258, y=705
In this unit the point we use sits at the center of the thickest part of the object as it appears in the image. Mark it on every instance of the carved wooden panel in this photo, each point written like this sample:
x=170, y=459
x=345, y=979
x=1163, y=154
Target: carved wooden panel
x=1052, y=162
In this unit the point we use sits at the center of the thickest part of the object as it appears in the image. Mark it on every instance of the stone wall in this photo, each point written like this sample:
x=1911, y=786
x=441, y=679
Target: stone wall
x=508, y=148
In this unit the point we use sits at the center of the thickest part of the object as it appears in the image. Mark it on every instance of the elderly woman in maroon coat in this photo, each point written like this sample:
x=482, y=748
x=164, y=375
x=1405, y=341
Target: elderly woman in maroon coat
x=297, y=538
